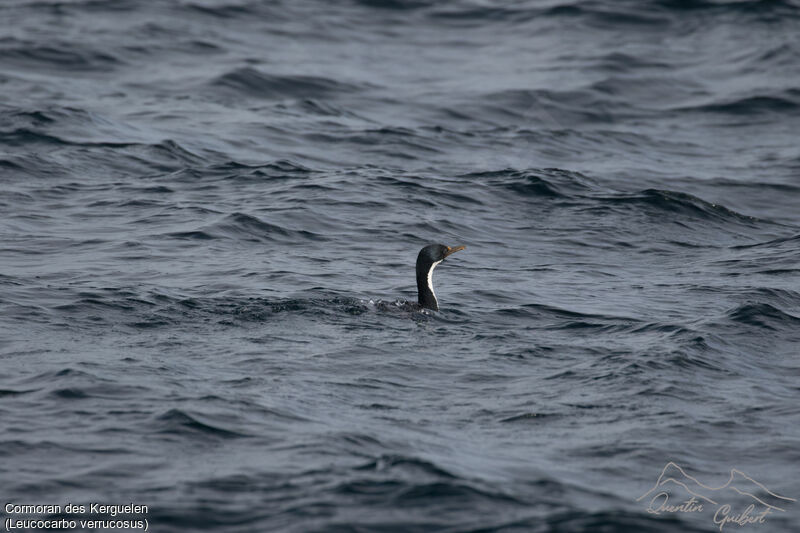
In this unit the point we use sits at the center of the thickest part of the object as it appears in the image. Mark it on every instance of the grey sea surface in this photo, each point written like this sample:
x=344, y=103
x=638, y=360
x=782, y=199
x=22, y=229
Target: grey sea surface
x=210, y=209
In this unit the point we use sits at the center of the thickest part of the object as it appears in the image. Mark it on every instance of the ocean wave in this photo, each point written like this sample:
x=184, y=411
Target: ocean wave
x=621, y=62
x=229, y=10
x=76, y=128
x=524, y=107
x=756, y=7
x=763, y=315
x=99, y=5
x=178, y=422
x=25, y=136
x=775, y=257
x=786, y=102
x=397, y=143
x=15, y=392
x=599, y=15
x=152, y=309
x=680, y=203
x=399, y=5
x=241, y=226
x=614, y=521
x=69, y=57
x=586, y=12
x=252, y=82
x=569, y=319
x=280, y=168
x=474, y=12
x=411, y=466
x=546, y=183
x=789, y=243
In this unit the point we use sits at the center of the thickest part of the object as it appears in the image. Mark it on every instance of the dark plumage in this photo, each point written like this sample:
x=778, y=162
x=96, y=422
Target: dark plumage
x=428, y=258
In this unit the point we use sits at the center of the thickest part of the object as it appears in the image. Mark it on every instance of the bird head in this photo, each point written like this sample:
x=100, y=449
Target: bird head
x=434, y=253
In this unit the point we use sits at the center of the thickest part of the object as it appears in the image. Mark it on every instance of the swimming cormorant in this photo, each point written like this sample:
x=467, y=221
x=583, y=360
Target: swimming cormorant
x=428, y=258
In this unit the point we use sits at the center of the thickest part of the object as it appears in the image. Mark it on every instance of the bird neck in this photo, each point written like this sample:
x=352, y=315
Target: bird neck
x=427, y=298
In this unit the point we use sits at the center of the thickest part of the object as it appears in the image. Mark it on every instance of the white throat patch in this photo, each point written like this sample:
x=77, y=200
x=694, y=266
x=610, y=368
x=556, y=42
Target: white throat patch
x=430, y=279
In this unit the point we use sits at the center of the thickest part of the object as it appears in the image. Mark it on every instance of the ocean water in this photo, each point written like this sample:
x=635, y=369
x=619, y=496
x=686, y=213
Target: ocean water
x=211, y=207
